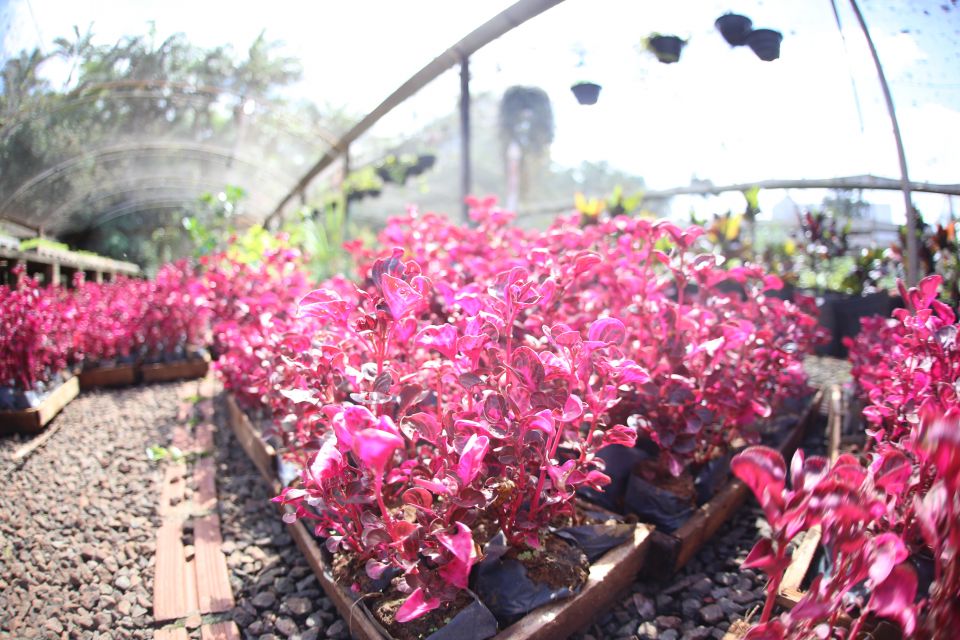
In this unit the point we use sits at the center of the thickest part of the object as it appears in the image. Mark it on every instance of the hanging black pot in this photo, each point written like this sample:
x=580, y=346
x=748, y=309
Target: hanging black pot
x=586, y=92
x=765, y=43
x=734, y=28
x=666, y=48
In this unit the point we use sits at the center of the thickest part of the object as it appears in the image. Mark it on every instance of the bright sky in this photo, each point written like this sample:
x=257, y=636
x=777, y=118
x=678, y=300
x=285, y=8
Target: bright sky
x=720, y=114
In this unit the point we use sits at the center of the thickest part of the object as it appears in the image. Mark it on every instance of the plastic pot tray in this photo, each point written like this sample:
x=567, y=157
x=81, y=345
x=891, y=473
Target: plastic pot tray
x=671, y=551
x=610, y=576
x=35, y=419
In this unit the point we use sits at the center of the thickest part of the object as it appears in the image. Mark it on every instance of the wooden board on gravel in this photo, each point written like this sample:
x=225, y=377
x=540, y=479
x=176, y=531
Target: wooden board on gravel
x=35, y=419
x=120, y=376
x=171, y=633
x=175, y=595
x=214, y=592
x=166, y=371
x=258, y=450
x=671, y=551
x=220, y=631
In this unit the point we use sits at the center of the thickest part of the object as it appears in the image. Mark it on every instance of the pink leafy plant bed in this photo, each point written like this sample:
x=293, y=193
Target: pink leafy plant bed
x=888, y=519
x=446, y=411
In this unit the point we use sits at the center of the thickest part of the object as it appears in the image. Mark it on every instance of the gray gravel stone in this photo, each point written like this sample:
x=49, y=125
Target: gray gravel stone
x=264, y=600
x=337, y=629
x=711, y=614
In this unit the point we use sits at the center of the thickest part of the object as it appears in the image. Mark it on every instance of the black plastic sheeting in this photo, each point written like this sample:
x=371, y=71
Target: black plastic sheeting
x=503, y=585
x=474, y=622
x=656, y=506
x=597, y=539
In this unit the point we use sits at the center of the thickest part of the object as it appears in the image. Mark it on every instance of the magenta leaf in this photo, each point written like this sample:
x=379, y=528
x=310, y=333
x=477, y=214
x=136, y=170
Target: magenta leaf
x=401, y=297
x=375, y=447
x=761, y=557
x=443, y=338
x=607, y=331
x=416, y=604
x=472, y=457
x=763, y=470
x=572, y=409
x=885, y=552
x=893, y=598
x=527, y=365
x=460, y=544
x=328, y=462
x=620, y=434
x=324, y=304
x=421, y=425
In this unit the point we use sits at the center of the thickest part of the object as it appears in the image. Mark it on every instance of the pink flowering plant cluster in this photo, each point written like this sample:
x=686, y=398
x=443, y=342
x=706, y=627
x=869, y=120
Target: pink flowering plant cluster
x=50, y=330
x=467, y=385
x=36, y=337
x=885, y=515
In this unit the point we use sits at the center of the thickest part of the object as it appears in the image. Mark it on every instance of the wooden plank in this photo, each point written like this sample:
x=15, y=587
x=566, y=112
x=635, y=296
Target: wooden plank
x=167, y=371
x=172, y=491
x=213, y=582
x=203, y=438
x=262, y=454
x=171, y=633
x=206, y=408
x=205, y=499
x=20, y=454
x=172, y=586
x=181, y=438
x=33, y=420
x=790, y=587
x=120, y=376
x=220, y=631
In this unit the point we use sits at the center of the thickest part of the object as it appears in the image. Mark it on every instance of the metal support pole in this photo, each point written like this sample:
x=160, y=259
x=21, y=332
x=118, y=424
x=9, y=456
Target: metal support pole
x=465, y=163
x=346, y=174
x=912, y=262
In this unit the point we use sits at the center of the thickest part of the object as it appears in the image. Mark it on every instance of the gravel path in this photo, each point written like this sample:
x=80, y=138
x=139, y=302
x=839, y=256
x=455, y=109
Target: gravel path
x=78, y=519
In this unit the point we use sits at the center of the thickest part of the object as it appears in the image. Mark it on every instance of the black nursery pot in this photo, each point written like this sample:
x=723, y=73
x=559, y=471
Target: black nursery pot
x=667, y=48
x=734, y=28
x=586, y=92
x=765, y=43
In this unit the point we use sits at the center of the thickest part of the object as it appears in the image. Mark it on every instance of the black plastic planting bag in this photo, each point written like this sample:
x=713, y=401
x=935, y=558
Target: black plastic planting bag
x=597, y=539
x=503, y=585
x=656, y=506
x=474, y=622
x=711, y=477
x=620, y=461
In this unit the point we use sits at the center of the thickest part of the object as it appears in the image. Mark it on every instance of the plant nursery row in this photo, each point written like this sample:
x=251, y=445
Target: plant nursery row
x=487, y=423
